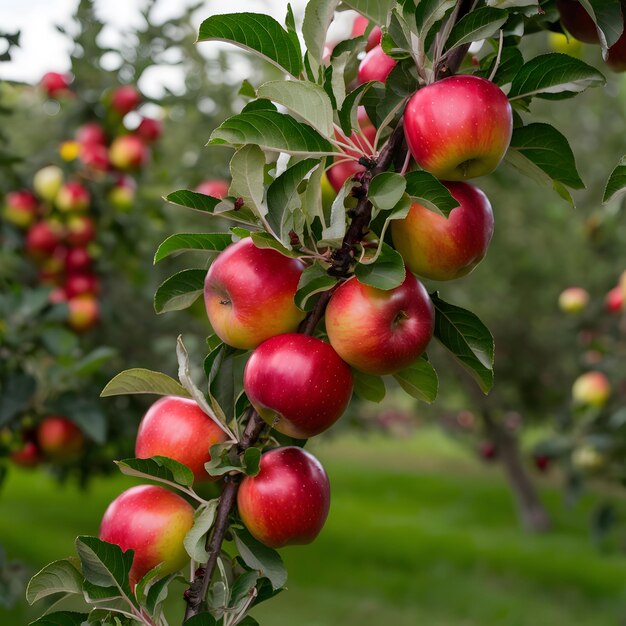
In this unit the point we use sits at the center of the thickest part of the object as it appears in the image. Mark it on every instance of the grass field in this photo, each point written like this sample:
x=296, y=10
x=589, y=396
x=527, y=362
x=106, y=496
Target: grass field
x=419, y=533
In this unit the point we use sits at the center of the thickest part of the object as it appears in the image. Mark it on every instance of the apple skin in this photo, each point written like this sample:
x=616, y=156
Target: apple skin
x=591, y=389
x=83, y=283
x=248, y=294
x=488, y=450
x=128, y=152
x=214, y=188
x=153, y=522
x=77, y=260
x=29, y=455
x=614, y=300
x=95, y=156
x=459, y=127
x=84, y=312
x=80, y=231
x=20, y=208
x=573, y=300
x=360, y=26
x=179, y=429
x=122, y=194
x=616, y=58
x=376, y=65
x=577, y=21
x=298, y=384
x=150, y=129
x=287, y=502
x=59, y=439
x=380, y=332
x=42, y=238
x=446, y=248
x=47, y=182
x=125, y=99
x=72, y=197
x=55, y=84
x=91, y=133
x=559, y=42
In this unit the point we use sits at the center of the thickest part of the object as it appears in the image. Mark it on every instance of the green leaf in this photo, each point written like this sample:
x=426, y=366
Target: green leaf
x=195, y=539
x=183, y=242
x=93, y=361
x=59, y=341
x=160, y=468
x=271, y=131
x=348, y=115
x=104, y=564
x=61, y=618
x=616, y=185
x=424, y=188
x=375, y=10
x=607, y=15
x=86, y=412
x=257, y=33
x=261, y=558
x=386, y=190
x=554, y=76
x=387, y=272
x=510, y=63
x=212, y=206
x=307, y=100
x=247, y=170
x=266, y=240
x=140, y=380
x=179, y=291
x=57, y=577
x=313, y=281
x=419, y=380
x=368, y=386
x=317, y=18
x=202, y=619
x=17, y=391
x=428, y=13
x=333, y=234
x=479, y=24
x=252, y=461
x=467, y=338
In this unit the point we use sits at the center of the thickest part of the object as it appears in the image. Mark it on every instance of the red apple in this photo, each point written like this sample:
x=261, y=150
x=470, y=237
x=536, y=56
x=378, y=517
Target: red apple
x=77, y=260
x=28, y=455
x=577, y=21
x=72, y=197
x=20, y=208
x=79, y=284
x=298, y=384
x=84, y=312
x=80, y=230
x=446, y=248
x=288, y=501
x=55, y=84
x=60, y=439
x=542, y=462
x=214, y=188
x=616, y=58
x=128, y=152
x=150, y=129
x=360, y=26
x=47, y=182
x=573, y=299
x=380, y=332
x=248, y=294
x=153, y=522
x=459, y=127
x=42, y=238
x=591, y=389
x=91, y=133
x=95, y=156
x=339, y=173
x=125, y=99
x=376, y=65
x=179, y=429
x=614, y=300
x=488, y=450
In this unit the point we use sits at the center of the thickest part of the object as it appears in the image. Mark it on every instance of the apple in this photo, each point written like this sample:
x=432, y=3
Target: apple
x=179, y=429
x=573, y=300
x=29, y=455
x=214, y=188
x=122, y=194
x=591, y=389
x=128, y=152
x=84, y=312
x=55, y=84
x=459, y=127
x=125, y=99
x=91, y=133
x=287, y=502
x=577, y=21
x=248, y=294
x=589, y=459
x=376, y=65
x=360, y=26
x=542, y=462
x=77, y=260
x=69, y=150
x=298, y=384
x=72, y=197
x=487, y=450
x=42, y=238
x=78, y=284
x=614, y=300
x=57, y=296
x=150, y=129
x=153, y=522
x=60, y=439
x=380, y=332
x=47, y=182
x=80, y=230
x=52, y=267
x=446, y=248
x=559, y=42
x=616, y=58
x=95, y=156
x=20, y=208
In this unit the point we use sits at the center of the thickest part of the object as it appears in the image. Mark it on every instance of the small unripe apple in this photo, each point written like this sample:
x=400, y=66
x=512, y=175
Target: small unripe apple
x=459, y=127
x=441, y=248
x=20, y=208
x=614, y=300
x=91, y=133
x=47, y=182
x=214, y=188
x=80, y=230
x=73, y=197
x=248, y=294
x=591, y=389
x=577, y=21
x=153, y=522
x=79, y=284
x=150, y=129
x=376, y=65
x=287, y=502
x=42, y=238
x=128, y=152
x=125, y=99
x=29, y=455
x=565, y=45
x=179, y=429
x=298, y=384
x=60, y=439
x=55, y=84
x=84, y=312
x=95, y=156
x=380, y=332
x=573, y=300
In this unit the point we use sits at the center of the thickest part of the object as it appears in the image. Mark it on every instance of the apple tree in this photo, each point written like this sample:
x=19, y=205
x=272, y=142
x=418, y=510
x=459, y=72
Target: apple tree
x=349, y=178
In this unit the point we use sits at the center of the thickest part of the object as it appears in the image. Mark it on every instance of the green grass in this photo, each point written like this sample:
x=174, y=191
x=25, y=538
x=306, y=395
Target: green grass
x=419, y=533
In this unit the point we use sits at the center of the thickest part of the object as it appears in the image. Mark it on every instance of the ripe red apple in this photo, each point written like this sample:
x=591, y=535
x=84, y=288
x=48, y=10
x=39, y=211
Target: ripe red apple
x=542, y=462
x=380, y=332
x=60, y=439
x=95, y=156
x=80, y=230
x=446, y=248
x=28, y=455
x=573, y=299
x=459, y=127
x=339, y=173
x=614, y=300
x=248, y=294
x=73, y=197
x=55, y=84
x=616, y=58
x=125, y=99
x=128, y=152
x=179, y=429
x=153, y=522
x=287, y=502
x=591, y=389
x=577, y=21
x=91, y=133
x=79, y=284
x=376, y=65
x=360, y=26
x=20, y=208
x=298, y=384
x=84, y=312
x=47, y=182
x=487, y=450
x=77, y=260
x=150, y=129
x=42, y=238
x=215, y=188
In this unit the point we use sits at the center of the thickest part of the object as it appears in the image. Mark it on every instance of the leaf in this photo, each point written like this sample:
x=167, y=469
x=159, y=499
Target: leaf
x=467, y=338
x=195, y=539
x=387, y=272
x=179, y=291
x=607, y=15
x=104, y=564
x=93, y=362
x=318, y=15
x=56, y=577
x=368, y=386
x=386, y=190
x=554, y=76
x=183, y=242
x=140, y=380
x=479, y=24
x=247, y=170
x=307, y=100
x=86, y=412
x=333, y=234
x=257, y=33
x=160, y=468
x=348, y=115
x=59, y=341
x=375, y=10
x=419, y=380
x=424, y=188
x=202, y=619
x=616, y=185
x=261, y=558
x=212, y=206
x=428, y=13
x=61, y=618
x=17, y=391
x=271, y=131
x=313, y=281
